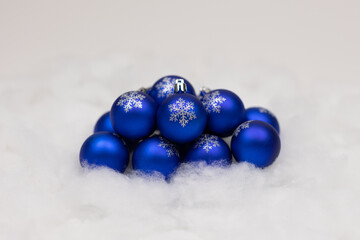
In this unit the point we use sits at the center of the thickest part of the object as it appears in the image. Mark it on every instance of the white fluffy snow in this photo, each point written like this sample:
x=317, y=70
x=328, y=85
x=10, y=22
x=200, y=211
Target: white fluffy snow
x=63, y=64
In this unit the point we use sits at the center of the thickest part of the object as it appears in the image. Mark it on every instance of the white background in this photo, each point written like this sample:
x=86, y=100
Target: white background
x=62, y=64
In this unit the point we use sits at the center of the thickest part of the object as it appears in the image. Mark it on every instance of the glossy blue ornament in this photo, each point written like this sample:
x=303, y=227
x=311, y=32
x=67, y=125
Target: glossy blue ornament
x=164, y=87
x=225, y=111
x=156, y=155
x=211, y=149
x=104, y=124
x=104, y=149
x=181, y=118
x=262, y=114
x=133, y=115
x=256, y=142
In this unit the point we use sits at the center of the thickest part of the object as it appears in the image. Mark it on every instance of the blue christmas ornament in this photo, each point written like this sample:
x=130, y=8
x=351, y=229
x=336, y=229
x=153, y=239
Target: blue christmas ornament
x=104, y=149
x=181, y=118
x=164, y=87
x=133, y=115
x=104, y=124
x=156, y=155
x=211, y=149
x=262, y=114
x=225, y=111
x=256, y=142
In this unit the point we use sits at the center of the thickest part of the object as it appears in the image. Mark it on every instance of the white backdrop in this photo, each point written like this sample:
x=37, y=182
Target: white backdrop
x=62, y=64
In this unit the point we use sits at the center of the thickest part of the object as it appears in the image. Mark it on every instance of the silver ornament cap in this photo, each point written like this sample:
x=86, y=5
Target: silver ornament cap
x=180, y=86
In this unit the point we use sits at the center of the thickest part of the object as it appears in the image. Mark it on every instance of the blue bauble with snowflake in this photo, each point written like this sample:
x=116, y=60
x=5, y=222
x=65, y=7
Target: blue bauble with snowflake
x=133, y=115
x=104, y=124
x=262, y=114
x=181, y=118
x=104, y=149
x=225, y=111
x=256, y=142
x=211, y=149
x=164, y=87
x=156, y=155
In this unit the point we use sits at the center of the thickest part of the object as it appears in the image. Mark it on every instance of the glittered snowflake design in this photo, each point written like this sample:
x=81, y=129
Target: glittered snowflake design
x=170, y=148
x=131, y=100
x=165, y=87
x=241, y=127
x=212, y=101
x=263, y=110
x=182, y=111
x=207, y=142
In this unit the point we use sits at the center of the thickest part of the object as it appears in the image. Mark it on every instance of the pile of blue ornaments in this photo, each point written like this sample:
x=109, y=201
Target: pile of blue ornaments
x=168, y=124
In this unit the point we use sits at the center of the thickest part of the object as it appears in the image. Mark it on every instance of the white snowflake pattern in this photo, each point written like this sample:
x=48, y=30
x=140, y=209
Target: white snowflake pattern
x=182, y=111
x=165, y=87
x=264, y=110
x=241, y=127
x=207, y=142
x=131, y=100
x=170, y=148
x=212, y=101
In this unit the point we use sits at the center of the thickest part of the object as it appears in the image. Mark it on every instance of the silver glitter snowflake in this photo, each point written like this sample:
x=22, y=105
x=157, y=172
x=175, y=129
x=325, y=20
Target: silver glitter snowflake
x=182, y=111
x=131, y=100
x=263, y=110
x=165, y=87
x=207, y=142
x=241, y=127
x=170, y=148
x=212, y=101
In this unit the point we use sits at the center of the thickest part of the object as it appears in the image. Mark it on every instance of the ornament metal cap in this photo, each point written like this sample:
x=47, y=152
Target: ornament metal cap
x=204, y=90
x=180, y=86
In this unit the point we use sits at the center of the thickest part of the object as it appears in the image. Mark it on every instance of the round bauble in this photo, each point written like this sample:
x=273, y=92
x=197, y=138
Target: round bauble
x=133, y=115
x=181, y=118
x=211, y=149
x=103, y=124
x=256, y=142
x=225, y=111
x=104, y=149
x=262, y=114
x=156, y=155
x=164, y=87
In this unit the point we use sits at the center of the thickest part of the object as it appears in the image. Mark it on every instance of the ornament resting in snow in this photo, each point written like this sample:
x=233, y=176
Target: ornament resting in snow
x=181, y=118
x=256, y=142
x=164, y=87
x=211, y=149
x=133, y=115
x=156, y=155
x=262, y=114
x=104, y=149
x=225, y=111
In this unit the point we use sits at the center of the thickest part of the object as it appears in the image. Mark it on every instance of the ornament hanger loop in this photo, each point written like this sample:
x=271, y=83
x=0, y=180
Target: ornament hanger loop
x=180, y=86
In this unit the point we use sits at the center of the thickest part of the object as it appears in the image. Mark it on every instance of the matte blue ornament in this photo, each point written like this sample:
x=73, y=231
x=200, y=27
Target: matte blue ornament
x=225, y=111
x=256, y=142
x=164, y=87
x=181, y=118
x=211, y=149
x=133, y=115
x=262, y=114
x=156, y=155
x=104, y=149
x=104, y=124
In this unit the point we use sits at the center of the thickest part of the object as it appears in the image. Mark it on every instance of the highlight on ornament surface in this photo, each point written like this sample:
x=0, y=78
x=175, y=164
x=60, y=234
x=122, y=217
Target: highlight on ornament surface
x=167, y=125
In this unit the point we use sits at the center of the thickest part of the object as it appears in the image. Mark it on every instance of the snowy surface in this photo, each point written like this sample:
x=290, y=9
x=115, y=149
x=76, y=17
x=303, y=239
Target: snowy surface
x=49, y=106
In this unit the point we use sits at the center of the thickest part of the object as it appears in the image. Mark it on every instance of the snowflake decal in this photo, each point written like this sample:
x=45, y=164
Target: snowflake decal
x=165, y=87
x=207, y=142
x=241, y=127
x=131, y=100
x=263, y=110
x=212, y=101
x=182, y=111
x=170, y=148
